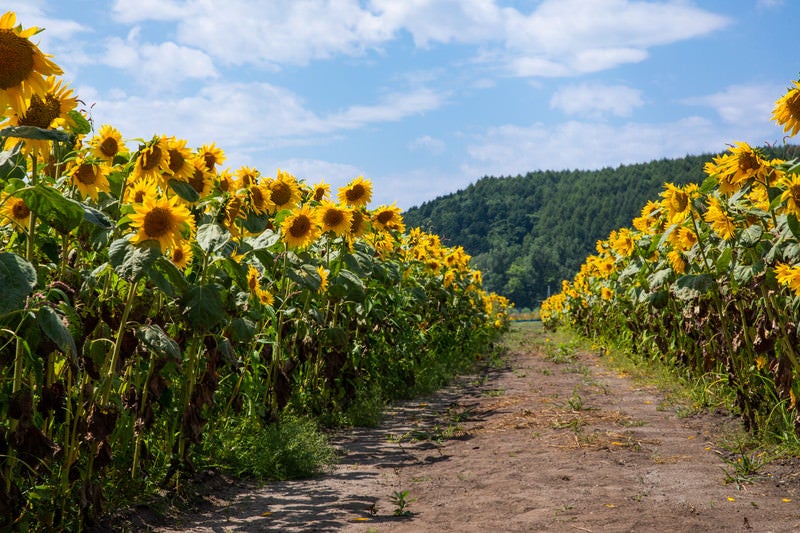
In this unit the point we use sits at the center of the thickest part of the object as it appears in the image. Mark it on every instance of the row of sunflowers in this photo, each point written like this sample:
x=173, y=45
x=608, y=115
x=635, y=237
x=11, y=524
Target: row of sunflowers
x=708, y=278
x=149, y=294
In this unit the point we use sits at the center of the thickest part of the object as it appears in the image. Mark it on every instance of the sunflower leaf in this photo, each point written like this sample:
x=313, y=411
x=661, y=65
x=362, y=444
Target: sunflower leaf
x=184, y=190
x=53, y=207
x=154, y=338
x=96, y=217
x=12, y=163
x=37, y=134
x=204, y=308
x=212, y=237
x=131, y=261
x=82, y=126
x=692, y=286
x=52, y=324
x=17, y=278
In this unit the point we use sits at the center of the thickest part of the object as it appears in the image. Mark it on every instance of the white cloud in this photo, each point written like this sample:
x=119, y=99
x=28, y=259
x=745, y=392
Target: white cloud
x=743, y=104
x=157, y=66
x=428, y=143
x=511, y=150
x=595, y=100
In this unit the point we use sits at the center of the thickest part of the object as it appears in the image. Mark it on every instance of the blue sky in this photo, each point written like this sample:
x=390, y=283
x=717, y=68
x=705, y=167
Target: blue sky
x=424, y=97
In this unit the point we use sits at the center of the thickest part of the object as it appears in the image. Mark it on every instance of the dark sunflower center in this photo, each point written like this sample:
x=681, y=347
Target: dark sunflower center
x=384, y=217
x=252, y=282
x=41, y=113
x=210, y=160
x=333, y=217
x=20, y=210
x=176, y=160
x=793, y=104
x=198, y=181
x=17, y=64
x=257, y=197
x=85, y=174
x=157, y=222
x=247, y=179
x=355, y=224
x=281, y=193
x=319, y=194
x=795, y=191
x=300, y=227
x=747, y=162
x=151, y=158
x=138, y=196
x=679, y=201
x=178, y=256
x=355, y=193
x=109, y=147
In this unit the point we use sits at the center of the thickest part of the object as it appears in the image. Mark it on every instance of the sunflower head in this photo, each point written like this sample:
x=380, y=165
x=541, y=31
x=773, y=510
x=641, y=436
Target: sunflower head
x=165, y=220
x=300, y=228
x=323, y=279
x=90, y=177
x=14, y=211
x=181, y=159
x=335, y=219
x=787, y=110
x=388, y=217
x=284, y=191
x=201, y=179
x=320, y=192
x=48, y=110
x=260, y=199
x=24, y=67
x=107, y=143
x=211, y=156
x=247, y=176
x=153, y=161
x=181, y=255
x=357, y=193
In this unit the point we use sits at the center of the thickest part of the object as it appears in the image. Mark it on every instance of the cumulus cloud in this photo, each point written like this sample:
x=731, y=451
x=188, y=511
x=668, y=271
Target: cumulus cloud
x=743, y=104
x=596, y=99
x=427, y=143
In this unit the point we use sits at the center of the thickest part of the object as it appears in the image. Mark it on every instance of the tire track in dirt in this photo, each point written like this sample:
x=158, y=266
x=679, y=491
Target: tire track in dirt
x=536, y=446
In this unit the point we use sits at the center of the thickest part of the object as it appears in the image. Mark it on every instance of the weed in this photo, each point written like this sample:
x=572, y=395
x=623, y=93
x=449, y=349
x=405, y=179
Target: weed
x=400, y=501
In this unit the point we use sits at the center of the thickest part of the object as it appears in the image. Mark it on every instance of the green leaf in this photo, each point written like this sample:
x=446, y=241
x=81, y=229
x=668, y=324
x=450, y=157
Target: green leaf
x=32, y=132
x=12, y=163
x=724, y=260
x=659, y=299
x=17, y=279
x=82, y=126
x=154, y=338
x=98, y=218
x=659, y=277
x=242, y=329
x=751, y=235
x=184, y=190
x=203, y=305
x=794, y=225
x=133, y=261
x=50, y=205
x=266, y=240
x=212, y=237
x=52, y=324
x=333, y=337
x=692, y=286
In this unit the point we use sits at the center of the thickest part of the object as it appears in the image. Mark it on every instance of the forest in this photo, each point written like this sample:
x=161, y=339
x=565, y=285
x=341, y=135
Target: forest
x=527, y=233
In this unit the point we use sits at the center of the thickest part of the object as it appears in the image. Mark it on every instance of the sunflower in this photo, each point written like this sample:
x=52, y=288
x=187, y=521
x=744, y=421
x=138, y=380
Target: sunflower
x=181, y=159
x=211, y=155
x=791, y=194
x=789, y=276
x=24, y=67
x=259, y=199
x=90, y=177
x=47, y=110
x=225, y=182
x=320, y=192
x=285, y=193
x=181, y=255
x=677, y=201
x=138, y=190
x=358, y=224
x=336, y=219
x=719, y=220
x=107, y=143
x=162, y=219
x=247, y=176
x=734, y=169
x=300, y=228
x=676, y=261
x=14, y=211
x=388, y=217
x=200, y=178
x=256, y=290
x=787, y=110
x=323, y=279
x=357, y=193
x=153, y=160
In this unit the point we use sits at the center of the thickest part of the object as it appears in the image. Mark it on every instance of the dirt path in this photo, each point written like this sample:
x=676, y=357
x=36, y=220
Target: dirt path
x=542, y=445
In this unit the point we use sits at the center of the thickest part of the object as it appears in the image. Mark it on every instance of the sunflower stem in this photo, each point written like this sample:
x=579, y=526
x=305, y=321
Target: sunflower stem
x=112, y=365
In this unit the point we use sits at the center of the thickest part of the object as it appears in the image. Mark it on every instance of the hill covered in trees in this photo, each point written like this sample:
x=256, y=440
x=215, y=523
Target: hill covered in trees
x=527, y=233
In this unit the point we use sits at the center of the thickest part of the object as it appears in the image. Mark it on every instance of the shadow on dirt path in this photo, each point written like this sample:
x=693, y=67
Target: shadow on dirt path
x=549, y=443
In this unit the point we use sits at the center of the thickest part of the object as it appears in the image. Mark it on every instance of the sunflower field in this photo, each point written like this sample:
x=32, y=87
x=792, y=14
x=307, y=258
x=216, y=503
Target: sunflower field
x=708, y=279
x=150, y=296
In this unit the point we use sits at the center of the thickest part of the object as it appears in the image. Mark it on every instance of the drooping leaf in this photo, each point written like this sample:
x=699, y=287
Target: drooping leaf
x=133, y=261
x=82, y=126
x=692, y=286
x=184, y=190
x=17, y=279
x=156, y=340
x=12, y=163
x=203, y=305
x=98, y=218
x=52, y=324
x=49, y=204
x=212, y=237
x=32, y=132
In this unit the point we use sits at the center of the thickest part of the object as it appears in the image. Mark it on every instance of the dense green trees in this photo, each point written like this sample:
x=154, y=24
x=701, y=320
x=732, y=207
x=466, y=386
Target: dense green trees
x=527, y=233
